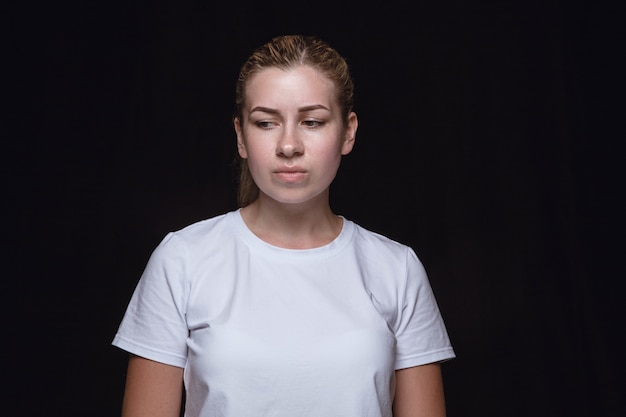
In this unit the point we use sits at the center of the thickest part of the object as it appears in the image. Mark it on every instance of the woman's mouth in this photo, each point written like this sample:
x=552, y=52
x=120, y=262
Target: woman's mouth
x=290, y=175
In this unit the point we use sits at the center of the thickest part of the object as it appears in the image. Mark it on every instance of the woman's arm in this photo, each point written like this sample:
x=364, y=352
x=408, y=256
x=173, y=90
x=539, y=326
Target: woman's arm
x=152, y=389
x=419, y=392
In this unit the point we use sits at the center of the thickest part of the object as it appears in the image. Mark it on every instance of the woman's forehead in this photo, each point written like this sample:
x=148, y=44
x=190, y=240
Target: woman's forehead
x=290, y=86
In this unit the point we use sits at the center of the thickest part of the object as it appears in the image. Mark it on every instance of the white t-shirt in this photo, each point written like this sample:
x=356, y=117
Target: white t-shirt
x=266, y=331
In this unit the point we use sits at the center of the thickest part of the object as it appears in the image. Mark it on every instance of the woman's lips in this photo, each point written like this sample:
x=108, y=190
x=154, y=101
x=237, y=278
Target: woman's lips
x=290, y=175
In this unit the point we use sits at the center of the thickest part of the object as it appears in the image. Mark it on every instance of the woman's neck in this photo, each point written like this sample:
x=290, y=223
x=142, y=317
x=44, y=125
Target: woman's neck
x=292, y=226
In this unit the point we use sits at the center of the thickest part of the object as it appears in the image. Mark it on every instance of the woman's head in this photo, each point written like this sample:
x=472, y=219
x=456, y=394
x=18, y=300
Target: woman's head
x=288, y=52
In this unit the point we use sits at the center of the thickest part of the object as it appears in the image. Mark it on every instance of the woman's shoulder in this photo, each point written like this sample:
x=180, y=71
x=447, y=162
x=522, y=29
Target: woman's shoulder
x=378, y=241
x=203, y=232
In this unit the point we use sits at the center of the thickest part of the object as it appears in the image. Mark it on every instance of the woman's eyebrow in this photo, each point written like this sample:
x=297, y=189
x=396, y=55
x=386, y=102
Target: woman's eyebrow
x=264, y=110
x=312, y=107
x=300, y=110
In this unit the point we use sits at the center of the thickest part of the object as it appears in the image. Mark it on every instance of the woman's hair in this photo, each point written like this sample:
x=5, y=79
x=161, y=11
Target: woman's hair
x=286, y=52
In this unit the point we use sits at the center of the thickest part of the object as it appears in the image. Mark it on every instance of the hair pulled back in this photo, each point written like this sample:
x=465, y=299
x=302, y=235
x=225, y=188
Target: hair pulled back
x=287, y=52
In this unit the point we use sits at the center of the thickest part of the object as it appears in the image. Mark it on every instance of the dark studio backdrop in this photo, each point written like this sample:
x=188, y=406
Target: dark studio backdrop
x=488, y=141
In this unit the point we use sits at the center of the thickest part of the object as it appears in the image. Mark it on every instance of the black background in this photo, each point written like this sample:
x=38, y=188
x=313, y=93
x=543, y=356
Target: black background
x=489, y=141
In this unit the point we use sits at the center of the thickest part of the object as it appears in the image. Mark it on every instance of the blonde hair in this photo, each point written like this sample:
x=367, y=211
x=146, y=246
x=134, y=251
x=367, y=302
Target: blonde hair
x=287, y=52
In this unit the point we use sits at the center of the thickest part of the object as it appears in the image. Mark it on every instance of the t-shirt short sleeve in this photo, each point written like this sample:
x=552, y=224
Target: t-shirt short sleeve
x=154, y=325
x=420, y=331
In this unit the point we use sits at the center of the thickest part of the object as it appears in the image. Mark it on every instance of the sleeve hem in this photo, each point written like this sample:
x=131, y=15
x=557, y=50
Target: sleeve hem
x=149, y=353
x=440, y=355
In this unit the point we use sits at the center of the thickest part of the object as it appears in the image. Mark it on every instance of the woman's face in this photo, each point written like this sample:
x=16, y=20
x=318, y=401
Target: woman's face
x=292, y=133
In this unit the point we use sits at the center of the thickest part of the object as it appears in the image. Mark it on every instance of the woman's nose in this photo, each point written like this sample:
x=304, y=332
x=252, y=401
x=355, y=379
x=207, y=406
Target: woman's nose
x=289, y=145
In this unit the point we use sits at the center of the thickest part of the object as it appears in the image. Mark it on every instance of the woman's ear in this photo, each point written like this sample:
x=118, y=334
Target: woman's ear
x=350, y=135
x=241, y=147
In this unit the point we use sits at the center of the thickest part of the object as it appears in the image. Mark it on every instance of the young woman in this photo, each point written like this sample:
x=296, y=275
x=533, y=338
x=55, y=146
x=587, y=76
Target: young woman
x=282, y=307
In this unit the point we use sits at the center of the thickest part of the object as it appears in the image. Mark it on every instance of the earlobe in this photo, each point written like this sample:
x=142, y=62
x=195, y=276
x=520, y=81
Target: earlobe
x=241, y=147
x=350, y=137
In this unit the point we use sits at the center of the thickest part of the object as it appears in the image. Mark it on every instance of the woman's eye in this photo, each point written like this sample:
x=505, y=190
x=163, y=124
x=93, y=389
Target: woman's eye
x=313, y=123
x=264, y=124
